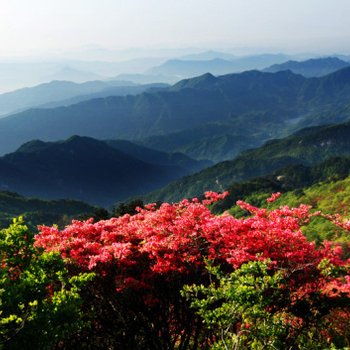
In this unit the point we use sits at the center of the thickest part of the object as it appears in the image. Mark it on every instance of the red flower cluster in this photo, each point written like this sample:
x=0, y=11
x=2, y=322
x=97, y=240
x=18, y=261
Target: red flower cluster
x=178, y=239
x=273, y=197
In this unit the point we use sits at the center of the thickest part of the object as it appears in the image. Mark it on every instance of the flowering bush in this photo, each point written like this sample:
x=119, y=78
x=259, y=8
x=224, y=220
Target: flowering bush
x=143, y=261
x=40, y=301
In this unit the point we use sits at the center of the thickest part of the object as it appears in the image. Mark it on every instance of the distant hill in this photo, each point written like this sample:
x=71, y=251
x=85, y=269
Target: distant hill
x=253, y=104
x=128, y=89
x=224, y=139
x=139, y=78
x=191, y=68
x=307, y=147
x=260, y=61
x=75, y=75
x=215, y=141
x=316, y=67
x=216, y=63
x=152, y=156
x=56, y=91
x=38, y=212
x=86, y=169
x=208, y=55
x=19, y=74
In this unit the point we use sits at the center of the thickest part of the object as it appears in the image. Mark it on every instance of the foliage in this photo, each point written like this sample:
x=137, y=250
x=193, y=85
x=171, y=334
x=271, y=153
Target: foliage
x=259, y=307
x=329, y=198
x=298, y=303
x=38, y=212
x=39, y=298
x=290, y=178
x=127, y=208
x=143, y=261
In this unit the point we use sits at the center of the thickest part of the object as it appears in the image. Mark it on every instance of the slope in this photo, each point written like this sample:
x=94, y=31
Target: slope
x=38, y=212
x=325, y=186
x=255, y=104
x=216, y=63
x=307, y=147
x=50, y=92
x=151, y=156
x=315, y=67
x=80, y=168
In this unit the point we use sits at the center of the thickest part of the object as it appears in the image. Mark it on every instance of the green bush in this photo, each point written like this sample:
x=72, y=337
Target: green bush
x=39, y=300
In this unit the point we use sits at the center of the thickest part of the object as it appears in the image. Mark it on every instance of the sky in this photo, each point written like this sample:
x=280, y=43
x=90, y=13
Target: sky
x=41, y=26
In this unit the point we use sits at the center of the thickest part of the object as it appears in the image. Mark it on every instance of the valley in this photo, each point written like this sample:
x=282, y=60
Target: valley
x=134, y=139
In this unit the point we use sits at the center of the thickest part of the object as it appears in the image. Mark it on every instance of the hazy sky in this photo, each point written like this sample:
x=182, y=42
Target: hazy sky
x=285, y=25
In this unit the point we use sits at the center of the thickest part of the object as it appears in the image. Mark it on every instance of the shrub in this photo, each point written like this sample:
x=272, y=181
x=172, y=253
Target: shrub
x=39, y=299
x=143, y=261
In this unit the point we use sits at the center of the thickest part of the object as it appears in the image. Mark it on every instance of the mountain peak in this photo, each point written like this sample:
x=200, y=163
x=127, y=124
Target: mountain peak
x=84, y=144
x=315, y=67
x=200, y=82
x=33, y=146
x=88, y=169
x=77, y=138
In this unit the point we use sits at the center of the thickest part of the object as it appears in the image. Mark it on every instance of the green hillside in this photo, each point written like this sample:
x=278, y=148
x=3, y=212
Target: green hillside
x=325, y=186
x=330, y=197
x=37, y=212
x=307, y=147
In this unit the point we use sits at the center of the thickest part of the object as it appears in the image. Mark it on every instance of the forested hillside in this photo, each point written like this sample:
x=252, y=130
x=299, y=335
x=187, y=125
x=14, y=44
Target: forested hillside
x=64, y=93
x=90, y=170
x=257, y=105
x=306, y=147
x=38, y=212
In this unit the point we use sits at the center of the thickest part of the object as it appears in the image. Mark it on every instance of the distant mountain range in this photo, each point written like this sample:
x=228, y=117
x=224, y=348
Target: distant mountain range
x=148, y=155
x=19, y=74
x=315, y=67
x=216, y=141
x=208, y=55
x=122, y=90
x=64, y=93
x=75, y=75
x=214, y=63
x=146, y=78
x=249, y=108
x=86, y=169
x=191, y=68
x=306, y=147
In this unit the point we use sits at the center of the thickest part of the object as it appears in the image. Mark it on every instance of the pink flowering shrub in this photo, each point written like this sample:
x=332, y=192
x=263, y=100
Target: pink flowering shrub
x=145, y=259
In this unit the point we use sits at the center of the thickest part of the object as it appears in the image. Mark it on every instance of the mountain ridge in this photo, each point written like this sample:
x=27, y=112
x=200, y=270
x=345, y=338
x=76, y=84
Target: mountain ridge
x=251, y=102
x=83, y=168
x=307, y=147
x=59, y=93
x=314, y=67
